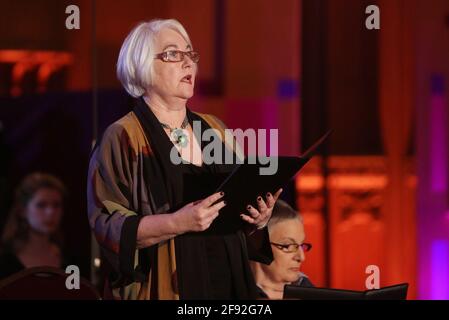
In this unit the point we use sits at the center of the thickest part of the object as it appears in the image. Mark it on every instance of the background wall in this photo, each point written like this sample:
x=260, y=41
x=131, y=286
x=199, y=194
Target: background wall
x=378, y=192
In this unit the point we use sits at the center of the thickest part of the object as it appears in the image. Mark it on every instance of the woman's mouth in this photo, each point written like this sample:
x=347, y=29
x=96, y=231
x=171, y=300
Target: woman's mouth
x=295, y=269
x=187, y=79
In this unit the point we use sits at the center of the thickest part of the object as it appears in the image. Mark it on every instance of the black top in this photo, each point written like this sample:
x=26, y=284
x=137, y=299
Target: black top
x=9, y=264
x=217, y=258
x=303, y=281
x=208, y=264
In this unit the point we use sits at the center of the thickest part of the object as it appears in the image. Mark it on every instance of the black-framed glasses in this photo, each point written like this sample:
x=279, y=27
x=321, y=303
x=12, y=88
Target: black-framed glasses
x=292, y=247
x=177, y=56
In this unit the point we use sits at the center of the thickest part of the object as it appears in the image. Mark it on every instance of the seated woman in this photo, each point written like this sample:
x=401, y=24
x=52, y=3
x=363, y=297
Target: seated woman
x=31, y=237
x=286, y=232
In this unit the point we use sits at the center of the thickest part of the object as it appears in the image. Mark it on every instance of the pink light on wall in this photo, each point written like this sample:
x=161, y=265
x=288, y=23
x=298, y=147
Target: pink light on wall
x=438, y=142
x=256, y=114
x=433, y=193
x=439, y=261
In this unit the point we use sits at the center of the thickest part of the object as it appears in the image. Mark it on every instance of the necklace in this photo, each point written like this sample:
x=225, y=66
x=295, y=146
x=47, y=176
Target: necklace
x=178, y=135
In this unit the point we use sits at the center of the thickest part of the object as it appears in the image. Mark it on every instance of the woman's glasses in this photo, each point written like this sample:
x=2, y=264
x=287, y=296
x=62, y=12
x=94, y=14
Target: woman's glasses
x=292, y=247
x=177, y=56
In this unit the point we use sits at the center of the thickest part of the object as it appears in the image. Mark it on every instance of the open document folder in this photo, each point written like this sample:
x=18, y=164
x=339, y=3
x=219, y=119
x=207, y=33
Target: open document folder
x=396, y=292
x=254, y=177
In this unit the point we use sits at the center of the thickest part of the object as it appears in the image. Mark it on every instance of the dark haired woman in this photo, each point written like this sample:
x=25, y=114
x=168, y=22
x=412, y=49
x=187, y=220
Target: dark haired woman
x=32, y=237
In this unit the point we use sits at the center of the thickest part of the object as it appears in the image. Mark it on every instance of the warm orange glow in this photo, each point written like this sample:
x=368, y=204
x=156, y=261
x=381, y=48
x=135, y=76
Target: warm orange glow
x=358, y=227
x=46, y=63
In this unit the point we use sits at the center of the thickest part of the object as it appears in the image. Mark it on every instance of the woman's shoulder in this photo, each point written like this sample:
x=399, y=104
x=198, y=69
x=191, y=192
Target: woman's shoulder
x=124, y=131
x=126, y=124
x=9, y=263
x=303, y=281
x=5, y=254
x=260, y=293
x=216, y=123
x=212, y=120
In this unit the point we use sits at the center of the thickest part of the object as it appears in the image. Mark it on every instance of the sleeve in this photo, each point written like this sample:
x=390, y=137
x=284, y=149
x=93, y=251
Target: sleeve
x=110, y=214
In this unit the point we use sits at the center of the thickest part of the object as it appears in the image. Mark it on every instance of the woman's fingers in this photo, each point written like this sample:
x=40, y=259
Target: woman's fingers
x=253, y=212
x=247, y=218
x=212, y=218
x=216, y=207
x=261, y=205
x=277, y=194
x=255, y=215
x=207, y=215
x=270, y=200
x=207, y=202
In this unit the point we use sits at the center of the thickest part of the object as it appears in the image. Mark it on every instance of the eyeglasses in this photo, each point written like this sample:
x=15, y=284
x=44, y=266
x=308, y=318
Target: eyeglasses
x=292, y=247
x=177, y=56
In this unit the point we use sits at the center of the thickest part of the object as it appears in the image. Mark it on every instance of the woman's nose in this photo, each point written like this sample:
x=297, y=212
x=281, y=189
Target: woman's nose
x=50, y=210
x=299, y=255
x=187, y=62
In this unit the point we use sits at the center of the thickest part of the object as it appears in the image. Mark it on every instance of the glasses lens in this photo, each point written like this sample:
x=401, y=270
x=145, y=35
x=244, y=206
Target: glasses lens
x=173, y=56
x=291, y=247
x=194, y=56
x=306, y=247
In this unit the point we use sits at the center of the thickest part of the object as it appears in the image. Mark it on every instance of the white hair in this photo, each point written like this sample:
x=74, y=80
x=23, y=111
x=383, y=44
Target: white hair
x=135, y=61
x=283, y=211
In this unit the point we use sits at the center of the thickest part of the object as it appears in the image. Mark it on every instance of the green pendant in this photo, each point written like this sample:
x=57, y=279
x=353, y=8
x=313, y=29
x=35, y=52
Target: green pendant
x=180, y=137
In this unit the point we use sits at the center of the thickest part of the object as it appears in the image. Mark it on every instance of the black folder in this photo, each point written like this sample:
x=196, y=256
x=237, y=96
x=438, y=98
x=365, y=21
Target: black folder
x=248, y=181
x=396, y=292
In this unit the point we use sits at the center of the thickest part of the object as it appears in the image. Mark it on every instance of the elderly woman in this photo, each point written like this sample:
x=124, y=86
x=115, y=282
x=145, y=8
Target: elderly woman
x=286, y=232
x=153, y=236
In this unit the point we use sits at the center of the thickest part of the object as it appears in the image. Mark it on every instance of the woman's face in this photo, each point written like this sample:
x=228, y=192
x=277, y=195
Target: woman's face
x=169, y=78
x=44, y=211
x=285, y=266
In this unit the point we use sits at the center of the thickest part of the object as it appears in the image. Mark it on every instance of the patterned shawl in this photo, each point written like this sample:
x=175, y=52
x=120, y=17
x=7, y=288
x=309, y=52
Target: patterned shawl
x=130, y=176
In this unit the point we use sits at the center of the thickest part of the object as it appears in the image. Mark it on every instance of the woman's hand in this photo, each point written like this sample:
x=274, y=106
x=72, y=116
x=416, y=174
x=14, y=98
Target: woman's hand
x=259, y=217
x=199, y=215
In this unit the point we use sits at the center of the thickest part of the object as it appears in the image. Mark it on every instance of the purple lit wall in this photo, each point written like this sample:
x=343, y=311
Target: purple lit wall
x=431, y=76
x=439, y=263
x=438, y=136
x=433, y=161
